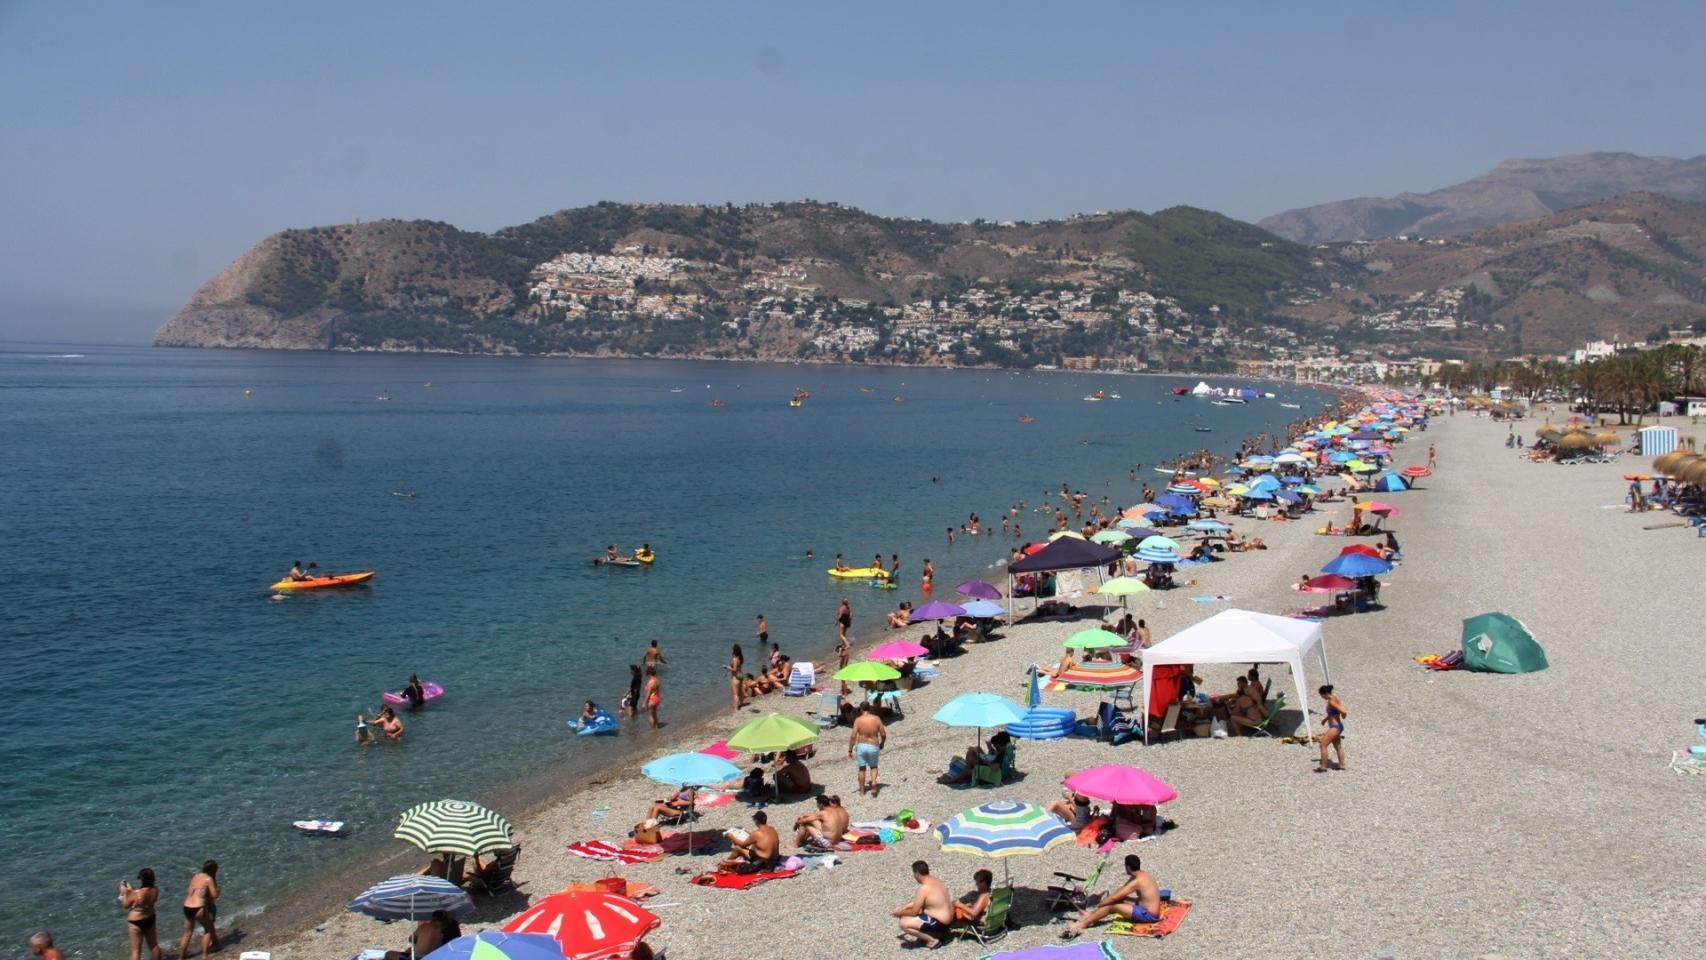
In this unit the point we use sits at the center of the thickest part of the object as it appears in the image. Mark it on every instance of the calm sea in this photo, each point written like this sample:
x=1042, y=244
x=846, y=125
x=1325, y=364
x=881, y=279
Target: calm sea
x=161, y=709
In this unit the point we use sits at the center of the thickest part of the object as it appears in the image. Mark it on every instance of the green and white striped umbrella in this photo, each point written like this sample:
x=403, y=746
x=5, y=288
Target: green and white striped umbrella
x=454, y=826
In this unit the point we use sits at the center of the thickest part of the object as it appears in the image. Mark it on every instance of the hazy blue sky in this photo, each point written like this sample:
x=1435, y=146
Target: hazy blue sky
x=145, y=145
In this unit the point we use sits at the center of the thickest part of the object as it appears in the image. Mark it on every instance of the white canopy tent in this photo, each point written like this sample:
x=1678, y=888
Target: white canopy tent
x=1241, y=636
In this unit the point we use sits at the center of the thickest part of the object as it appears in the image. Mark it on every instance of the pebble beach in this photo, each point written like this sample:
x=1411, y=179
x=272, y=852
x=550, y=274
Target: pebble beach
x=1480, y=815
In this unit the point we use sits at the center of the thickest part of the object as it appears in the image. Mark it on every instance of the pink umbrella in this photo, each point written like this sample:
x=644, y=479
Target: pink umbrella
x=1383, y=509
x=1117, y=783
x=897, y=650
x=1327, y=583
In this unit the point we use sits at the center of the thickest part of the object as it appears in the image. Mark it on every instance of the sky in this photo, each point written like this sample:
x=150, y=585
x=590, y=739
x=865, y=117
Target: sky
x=144, y=146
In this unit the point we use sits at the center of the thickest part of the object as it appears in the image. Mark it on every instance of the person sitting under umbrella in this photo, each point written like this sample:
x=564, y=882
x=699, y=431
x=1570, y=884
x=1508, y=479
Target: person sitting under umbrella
x=793, y=778
x=755, y=850
x=430, y=934
x=990, y=757
x=1073, y=808
x=671, y=808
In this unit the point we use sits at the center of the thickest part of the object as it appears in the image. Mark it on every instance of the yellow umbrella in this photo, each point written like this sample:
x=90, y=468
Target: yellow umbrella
x=1065, y=533
x=1208, y=481
x=772, y=734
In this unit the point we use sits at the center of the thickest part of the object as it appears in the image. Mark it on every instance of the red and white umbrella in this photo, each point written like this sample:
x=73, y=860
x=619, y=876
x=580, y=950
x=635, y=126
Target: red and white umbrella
x=589, y=926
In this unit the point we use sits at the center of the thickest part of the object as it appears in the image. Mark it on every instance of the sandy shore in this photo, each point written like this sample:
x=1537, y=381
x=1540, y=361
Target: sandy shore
x=1519, y=816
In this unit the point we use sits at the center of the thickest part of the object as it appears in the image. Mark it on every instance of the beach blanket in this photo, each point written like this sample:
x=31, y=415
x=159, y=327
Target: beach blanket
x=740, y=881
x=921, y=825
x=1173, y=913
x=1087, y=836
x=674, y=843
x=1214, y=599
x=610, y=853
x=711, y=801
x=635, y=890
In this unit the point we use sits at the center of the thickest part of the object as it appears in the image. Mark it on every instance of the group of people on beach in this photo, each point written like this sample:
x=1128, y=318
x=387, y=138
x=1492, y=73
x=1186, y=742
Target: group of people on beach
x=140, y=902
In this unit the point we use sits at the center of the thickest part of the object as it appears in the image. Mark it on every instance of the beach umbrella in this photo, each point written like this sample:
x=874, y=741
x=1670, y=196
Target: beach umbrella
x=1175, y=503
x=1665, y=461
x=864, y=670
x=1327, y=583
x=979, y=710
x=1158, y=556
x=1118, y=783
x=1258, y=493
x=1111, y=536
x=1094, y=640
x=1082, y=950
x=1207, y=482
x=1122, y=587
x=1139, y=533
x=1237, y=490
x=897, y=650
x=983, y=609
x=1363, y=549
x=1142, y=510
x=1207, y=526
x=1381, y=509
x=1065, y=533
x=937, y=610
x=1001, y=829
x=1356, y=565
x=1288, y=496
x=1184, y=490
x=412, y=897
x=454, y=826
x=497, y=945
x=1158, y=543
x=978, y=589
x=587, y=926
x=696, y=769
x=772, y=734
x=1308, y=490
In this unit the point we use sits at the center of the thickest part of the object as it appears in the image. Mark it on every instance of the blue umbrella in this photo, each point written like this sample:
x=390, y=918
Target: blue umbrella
x=1182, y=490
x=1036, y=694
x=690, y=770
x=1356, y=565
x=983, y=608
x=1262, y=493
x=1288, y=496
x=1158, y=556
x=1390, y=483
x=412, y=897
x=497, y=945
x=1173, y=501
x=979, y=710
x=1265, y=482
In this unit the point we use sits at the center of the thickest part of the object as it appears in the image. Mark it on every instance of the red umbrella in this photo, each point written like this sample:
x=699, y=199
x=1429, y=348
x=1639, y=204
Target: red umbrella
x=1033, y=548
x=1327, y=583
x=589, y=926
x=1416, y=472
x=1363, y=549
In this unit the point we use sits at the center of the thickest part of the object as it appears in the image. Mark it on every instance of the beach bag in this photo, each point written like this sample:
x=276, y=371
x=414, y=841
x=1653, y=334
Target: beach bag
x=1218, y=728
x=615, y=885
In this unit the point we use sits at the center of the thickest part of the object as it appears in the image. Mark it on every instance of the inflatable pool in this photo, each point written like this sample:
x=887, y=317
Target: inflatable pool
x=602, y=722
x=395, y=697
x=1045, y=723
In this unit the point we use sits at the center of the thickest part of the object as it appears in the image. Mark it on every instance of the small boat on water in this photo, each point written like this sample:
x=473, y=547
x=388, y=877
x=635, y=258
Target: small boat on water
x=1223, y=403
x=384, y=396
x=324, y=583
x=1115, y=396
x=1292, y=406
x=716, y=404
x=1231, y=399
x=1181, y=391
x=676, y=390
x=899, y=399
x=1098, y=395
x=1027, y=419
x=1204, y=429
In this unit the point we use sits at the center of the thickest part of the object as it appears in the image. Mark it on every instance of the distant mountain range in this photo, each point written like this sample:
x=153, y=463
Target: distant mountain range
x=1512, y=191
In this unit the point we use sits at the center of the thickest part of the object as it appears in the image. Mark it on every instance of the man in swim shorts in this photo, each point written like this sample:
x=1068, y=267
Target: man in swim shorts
x=1137, y=900
x=931, y=911
x=866, y=743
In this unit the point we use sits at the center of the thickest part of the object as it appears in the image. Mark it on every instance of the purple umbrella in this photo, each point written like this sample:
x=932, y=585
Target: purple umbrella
x=1082, y=950
x=937, y=611
x=978, y=590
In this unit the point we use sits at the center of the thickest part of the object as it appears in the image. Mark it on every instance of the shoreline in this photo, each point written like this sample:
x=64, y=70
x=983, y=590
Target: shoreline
x=303, y=911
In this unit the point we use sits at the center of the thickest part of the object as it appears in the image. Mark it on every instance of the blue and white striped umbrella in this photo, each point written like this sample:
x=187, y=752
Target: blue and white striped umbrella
x=1003, y=828
x=412, y=897
x=1158, y=556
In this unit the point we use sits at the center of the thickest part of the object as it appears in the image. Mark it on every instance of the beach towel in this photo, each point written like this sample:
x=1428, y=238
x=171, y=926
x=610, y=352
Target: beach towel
x=1211, y=599
x=676, y=842
x=610, y=853
x=634, y=889
x=720, y=749
x=1173, y=913
x=711, y=801
x=919, y=825
x=1093, y=829
x=740, y=881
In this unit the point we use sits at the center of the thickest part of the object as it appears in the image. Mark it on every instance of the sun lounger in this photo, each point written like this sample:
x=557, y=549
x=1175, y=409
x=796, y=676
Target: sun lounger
x=828, y=711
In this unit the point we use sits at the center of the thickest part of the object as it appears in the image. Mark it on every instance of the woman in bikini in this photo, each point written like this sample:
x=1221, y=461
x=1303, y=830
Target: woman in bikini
x=199, y=907
x=737, y=688
x=139, y=916
x=844, y=620
x=388, y=723
x=1334, y=734
x=654, y=694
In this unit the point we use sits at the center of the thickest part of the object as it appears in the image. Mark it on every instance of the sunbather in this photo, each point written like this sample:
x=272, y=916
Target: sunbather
x=825, y=828
x=900, y=619
x=754, y=850
x=1137, y=900
x=793, y=777
x=672, y=808
x=1067, y=662
x=980, y=896
x=430, y=934
x=1074, y=808
x=1128, y=821
x=1245, y=712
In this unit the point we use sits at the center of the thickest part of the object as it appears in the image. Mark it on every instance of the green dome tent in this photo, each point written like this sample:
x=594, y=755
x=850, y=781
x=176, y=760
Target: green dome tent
x=1499, y=643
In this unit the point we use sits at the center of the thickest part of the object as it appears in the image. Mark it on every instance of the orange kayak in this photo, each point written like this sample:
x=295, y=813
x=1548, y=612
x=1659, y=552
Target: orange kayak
x=320, y=583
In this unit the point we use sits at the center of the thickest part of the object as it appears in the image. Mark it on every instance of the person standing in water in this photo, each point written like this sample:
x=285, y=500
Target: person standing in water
x=843, y=621
x=654, y=694
x=929, y=577
x=763, y=632
x=139, y=916
x=654, y=656
x=636, y=680
x=200, y=908
x=414, y=692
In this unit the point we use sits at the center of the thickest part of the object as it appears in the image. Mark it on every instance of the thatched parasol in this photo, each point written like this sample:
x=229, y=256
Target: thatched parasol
x=1664, y=461
x=1694, y=472
x=1607, y=436
x=1574, y=441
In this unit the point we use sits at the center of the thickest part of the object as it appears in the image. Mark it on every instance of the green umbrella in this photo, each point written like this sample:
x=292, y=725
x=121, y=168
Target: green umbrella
x=1122, y=587
x=1111, y=536
x=1500, y=643
x=454, y=826
x=867, y=670
x=772, y=734
x=1094, y=640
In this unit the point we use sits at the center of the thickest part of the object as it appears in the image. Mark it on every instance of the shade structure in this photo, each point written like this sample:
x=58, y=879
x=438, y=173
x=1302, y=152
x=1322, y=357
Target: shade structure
x=1207, y=526
x=1241, y=636
x=691, y=769
x=497, y=945
x=1500, y=643
x=1137, y=531
x=1003, y=828
x=979, y=710
x=1110, y=536
x=454, y=826
x=773, y=733
x=1122, y=587
x=1141, y=511
x=1074, y=534
x=1356, y=565
x=1259, y=493
x=983, y=609
x=897, y=650
x=1381, y=509
x=864, y=670
x=587, y=926
x=1066, y=554
x=1118, y=783
x=1157, y=556
x=1094, y=640
x=937, y=610
x=978, y=589
x=412, y=897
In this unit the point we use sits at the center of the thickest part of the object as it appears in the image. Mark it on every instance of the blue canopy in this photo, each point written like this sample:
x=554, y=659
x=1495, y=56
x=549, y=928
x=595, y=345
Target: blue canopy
x=1258, y=493
x=1173, y=501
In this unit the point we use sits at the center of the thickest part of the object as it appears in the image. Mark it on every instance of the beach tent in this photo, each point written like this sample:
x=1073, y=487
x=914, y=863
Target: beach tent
x=1389, y=483
x=1241, y=636
x=1500, y=643
x=1066, y=553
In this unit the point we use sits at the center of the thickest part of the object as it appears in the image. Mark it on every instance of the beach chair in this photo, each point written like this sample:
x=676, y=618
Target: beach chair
x=1170, y=722
x=997, y=775
x=994, y=924
x=498, y=875
x=828, y=711
x=1076, y=892
x=886, y=700
x=801, y=680
x=1266, y=727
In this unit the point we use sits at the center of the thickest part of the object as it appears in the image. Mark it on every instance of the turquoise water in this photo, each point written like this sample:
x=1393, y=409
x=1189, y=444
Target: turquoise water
x=163, y=710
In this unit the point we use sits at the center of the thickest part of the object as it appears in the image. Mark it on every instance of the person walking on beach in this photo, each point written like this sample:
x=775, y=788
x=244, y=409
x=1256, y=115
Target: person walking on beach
x=41, y=944
x=636, y=680
x=654, y=695
x=139, y=915
x=865, y=745
x=736, y=664
x=1432, y=460
x=200, y=908
x=1334, y=733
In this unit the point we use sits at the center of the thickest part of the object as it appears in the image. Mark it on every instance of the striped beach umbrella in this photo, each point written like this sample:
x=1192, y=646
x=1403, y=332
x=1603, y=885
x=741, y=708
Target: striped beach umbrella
x=412, y=897
x=587, y=926
x=454, y=826
x=1001, y=829
x=495, y=945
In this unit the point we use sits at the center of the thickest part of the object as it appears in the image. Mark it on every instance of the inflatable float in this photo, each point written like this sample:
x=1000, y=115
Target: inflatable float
x=645, y=556
x=396, y=698
x=859, y=573
x=321, y=583
x=622, y=562
x=324, y=828
x=1045, y=723
x=601, y=722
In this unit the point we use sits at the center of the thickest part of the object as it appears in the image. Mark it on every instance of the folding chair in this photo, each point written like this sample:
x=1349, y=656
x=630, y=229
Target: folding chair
x=801, y=680
x=994, y=924
x=1077, y=892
